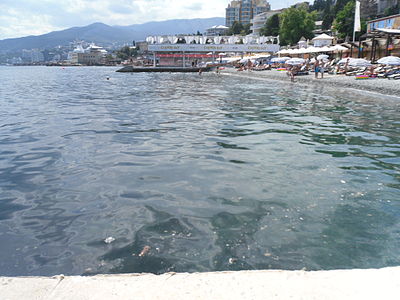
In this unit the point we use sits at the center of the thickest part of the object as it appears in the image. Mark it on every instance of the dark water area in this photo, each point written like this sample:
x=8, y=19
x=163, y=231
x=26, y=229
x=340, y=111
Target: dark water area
x=211, y=172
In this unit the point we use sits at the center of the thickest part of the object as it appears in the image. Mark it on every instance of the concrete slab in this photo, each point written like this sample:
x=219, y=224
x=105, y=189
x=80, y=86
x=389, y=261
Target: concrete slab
x=326, y=285
x=35, y=288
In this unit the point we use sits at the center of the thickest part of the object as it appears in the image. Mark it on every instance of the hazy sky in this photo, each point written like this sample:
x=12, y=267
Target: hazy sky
x=33, y=17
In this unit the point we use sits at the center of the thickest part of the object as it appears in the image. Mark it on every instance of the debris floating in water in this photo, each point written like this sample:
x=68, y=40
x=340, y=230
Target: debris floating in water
x=109, y=240
x=145, y=251
x=232, y=260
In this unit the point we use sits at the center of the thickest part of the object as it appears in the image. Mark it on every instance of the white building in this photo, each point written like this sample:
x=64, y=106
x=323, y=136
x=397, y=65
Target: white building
x=217, y=30
x=93, y=55
x=259, y=21
x=244, y=10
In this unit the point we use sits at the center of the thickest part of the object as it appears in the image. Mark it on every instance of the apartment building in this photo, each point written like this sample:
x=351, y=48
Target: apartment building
x=244, y=11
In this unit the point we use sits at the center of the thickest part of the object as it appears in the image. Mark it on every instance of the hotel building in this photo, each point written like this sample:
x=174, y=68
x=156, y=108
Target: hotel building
x=244, y=11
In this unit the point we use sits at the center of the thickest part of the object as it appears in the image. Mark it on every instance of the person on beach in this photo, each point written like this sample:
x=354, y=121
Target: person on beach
x=322, y=69
x=316, y=68
x=346, y=66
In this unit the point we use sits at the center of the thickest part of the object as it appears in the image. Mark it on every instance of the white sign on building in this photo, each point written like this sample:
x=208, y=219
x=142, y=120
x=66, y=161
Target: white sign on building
x=214, y=48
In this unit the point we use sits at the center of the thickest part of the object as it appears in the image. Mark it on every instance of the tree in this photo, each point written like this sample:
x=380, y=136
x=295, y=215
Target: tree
x=340, y=4
x=236, y=28
x=126, y=52
x=392, y=10
x=271, y=27
x=328, y=15
x=344, y=22
x=295, y=23
x=246, y=29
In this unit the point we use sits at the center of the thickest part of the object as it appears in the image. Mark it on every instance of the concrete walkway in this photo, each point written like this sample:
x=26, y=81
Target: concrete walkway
x=321, y=285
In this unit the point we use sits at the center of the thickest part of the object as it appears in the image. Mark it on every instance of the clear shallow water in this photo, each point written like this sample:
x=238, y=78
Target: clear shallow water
x=200, y=168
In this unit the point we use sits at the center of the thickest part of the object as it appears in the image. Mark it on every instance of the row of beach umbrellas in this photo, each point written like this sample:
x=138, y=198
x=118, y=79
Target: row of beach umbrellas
x=353, y=62
x=312, y=49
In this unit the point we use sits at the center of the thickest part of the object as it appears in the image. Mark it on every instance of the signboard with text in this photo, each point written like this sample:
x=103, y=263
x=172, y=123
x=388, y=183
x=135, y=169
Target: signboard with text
x=213, y=48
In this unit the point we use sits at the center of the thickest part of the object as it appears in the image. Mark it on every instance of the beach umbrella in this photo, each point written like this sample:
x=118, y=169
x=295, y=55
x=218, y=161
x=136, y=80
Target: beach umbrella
x=344, y=60
x=296, y=61
x=359, y=62
x=390, y=60
x=279, y=59
x=355, y=62
x=322, y=57
x=339, y=48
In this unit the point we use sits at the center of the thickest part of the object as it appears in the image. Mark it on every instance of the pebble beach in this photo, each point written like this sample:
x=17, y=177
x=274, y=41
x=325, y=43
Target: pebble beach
x=375, y=85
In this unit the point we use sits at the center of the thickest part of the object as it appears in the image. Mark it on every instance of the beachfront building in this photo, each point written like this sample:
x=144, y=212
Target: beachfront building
x=186, y=50
x=244, y=11
x=259, y=20
x=384, y=34
x=391, y=22
x=93, y=55
x=217, y=30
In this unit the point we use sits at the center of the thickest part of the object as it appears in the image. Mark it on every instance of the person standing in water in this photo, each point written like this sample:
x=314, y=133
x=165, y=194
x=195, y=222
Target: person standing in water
x=322, y=69
x=316, y=68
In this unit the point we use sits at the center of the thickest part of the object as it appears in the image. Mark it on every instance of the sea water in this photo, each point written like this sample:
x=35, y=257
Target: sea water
x=187, y=173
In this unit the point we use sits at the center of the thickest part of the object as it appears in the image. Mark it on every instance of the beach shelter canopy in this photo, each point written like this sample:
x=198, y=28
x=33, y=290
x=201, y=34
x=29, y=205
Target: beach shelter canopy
x=390, y=60
x=323, y=37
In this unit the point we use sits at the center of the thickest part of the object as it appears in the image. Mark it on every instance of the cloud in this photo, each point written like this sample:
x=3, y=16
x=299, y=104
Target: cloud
x=33, y=17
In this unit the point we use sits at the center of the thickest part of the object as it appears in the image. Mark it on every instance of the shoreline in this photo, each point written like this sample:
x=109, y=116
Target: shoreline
x=375, y=86
x=272, y=284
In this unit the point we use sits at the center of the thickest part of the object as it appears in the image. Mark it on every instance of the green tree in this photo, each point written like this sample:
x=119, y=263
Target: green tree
x=236, y=28
x=328, y=15
x=126, y=52
x=340, y=4
x=344, y=22
x=295, y=23
x=246, y=29
x=271, y=27
x=392, y=10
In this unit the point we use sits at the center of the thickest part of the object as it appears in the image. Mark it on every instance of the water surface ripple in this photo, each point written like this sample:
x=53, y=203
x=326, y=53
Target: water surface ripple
x=212, y=172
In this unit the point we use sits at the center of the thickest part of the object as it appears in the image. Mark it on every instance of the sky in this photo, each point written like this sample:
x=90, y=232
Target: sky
x=34, y=17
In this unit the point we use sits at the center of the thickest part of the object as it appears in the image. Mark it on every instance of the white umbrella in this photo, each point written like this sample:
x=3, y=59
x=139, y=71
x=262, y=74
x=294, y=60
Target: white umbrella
x=339, y=48
x=344, y=60
x=356, y=62
x=322, y=57
x=313, y=49
x=296, y=61
x=390, y=60
x=279, y=59
x=326, y=49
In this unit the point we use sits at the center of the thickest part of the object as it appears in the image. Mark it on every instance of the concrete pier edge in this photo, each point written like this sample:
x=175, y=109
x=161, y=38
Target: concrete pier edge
x=321, y=285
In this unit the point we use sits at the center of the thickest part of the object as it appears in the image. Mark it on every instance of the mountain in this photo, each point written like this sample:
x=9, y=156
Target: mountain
x=106, y=35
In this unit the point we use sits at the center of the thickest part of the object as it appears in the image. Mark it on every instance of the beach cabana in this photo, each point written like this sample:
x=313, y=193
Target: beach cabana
x=322, y=40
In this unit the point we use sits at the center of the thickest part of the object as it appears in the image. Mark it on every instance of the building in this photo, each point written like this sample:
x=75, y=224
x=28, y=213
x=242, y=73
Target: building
x=392, y=22
x=259, y=20
x=385, y=4
x=244, y=11
x=93, y=55
x=217, y=30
